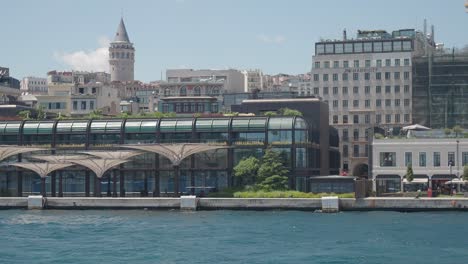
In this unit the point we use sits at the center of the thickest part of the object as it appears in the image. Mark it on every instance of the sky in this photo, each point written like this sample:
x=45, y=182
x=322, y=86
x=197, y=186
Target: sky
x=272, y=35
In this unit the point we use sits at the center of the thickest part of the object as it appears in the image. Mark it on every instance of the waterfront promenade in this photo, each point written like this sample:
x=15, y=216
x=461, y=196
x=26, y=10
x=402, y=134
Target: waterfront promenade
x=307, y=204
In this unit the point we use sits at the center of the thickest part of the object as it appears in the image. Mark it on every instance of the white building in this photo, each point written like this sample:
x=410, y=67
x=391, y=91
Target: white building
x=367, y=83
x=233, y=79
x=253, y=80
x=430, y=159
x=34, y=85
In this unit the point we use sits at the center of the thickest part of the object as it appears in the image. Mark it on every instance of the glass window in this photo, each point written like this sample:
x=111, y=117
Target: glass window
x=317, y=65
x=326, y=64
x=355, y=150
x=387, y=46
x=345, y=119
x=406, y=75
x=407, y=118
x=278, y=137
x=378, y=102
x=367, y=103
x=355, y=103
x=335, y=103
x=280, y=123
x=407, y=45
x=345, y=76
x=367, y=76
x=345, y=151
x=320, y=49
x=367, y=46
x=464, y=158
x=406, y=88
x=355, y=76
x=378, y=76
x=388, y=89
x=316, y=90
x=328, y=48
x=378, y=46
x=345, y=64
x=345, y=135
x=356, y=134
x=408, y=158
x=396, y=75
x=339, y=48
x=436, y=159
x=388, y=102
x=397, y=118
x=336, y=64
x=356, y=119
x=387, y=159
x=378, y=118
x=356, y=64
x=325, y=90
x=388, y=62
x=422, y=159
x=335, y=119
x=406, y=62
x=335, y=77
x=335, y=90
x=301, y=158
x=451, y=159
x=345, y=103
x=367, y=89
x=358, y=47
x=316, y=77
x=325, y=77
x=378, y=89
x=355, y=89
x=397, y=62
x=397, y=45
x=388, y=119
x=348, y=47
x=344, y=90
x=367, y=120
x=397, y=102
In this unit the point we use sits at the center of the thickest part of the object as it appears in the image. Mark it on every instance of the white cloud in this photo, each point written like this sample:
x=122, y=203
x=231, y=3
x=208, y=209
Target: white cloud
x=91, y=60
x=277, y=39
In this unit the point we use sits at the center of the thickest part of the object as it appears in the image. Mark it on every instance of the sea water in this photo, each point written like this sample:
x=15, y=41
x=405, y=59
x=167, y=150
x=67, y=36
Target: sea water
x=146, y=236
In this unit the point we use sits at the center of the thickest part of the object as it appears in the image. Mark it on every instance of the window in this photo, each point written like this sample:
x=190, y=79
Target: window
x=316, y=77
x=336, y=64
x=379, y=63
x=356, y=134
x=406, y=75
x=345, y=135
x=367, y=103
x=345, y=103
x=367, y=120
x=344, y=90
x=422, y=159
x=345, y=76
x=397, y=102
x=367, y=89
x=91, y=105
x=326, y=64
x=406, y=102
x=83, y=105
x=317, y=65
x=387, y=46
x=451, y=159
x=387, y=89
x=335, y=103
x=355, y=103
x=408, y=158
x=406, y=62
x=397, y=88
x=436, y=159
x=183, y=91
x=367, y=76
x=378, y=76
x=377, y=46
x=378, y=89
x=397, y=62
x=387, y=76
x=355, y=76
x=335, y=90
x=406, y=88
x=316, y=90
x=367, y=62
x=335, y=77
x=407, y=119
x=355, y=150
x=345, y=119
x=388, y=102
x=387, y=159
x=75, y=105
x=388, y=119
x=464, y=158
x=388, y=62
x=355, y=119
x=335, y=119
x=378, y=119
x=325, y=90
x=355, y=89
x=358, y=47
x=396, y=75
x=345, y=151
x=378, y=103
x=325, y=77
x=397, y=118
x=345, y=64
x=356, y=64
x=367, y=47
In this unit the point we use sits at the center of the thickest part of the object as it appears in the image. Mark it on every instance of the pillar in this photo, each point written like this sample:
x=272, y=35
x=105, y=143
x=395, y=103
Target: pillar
x=43, y=187
x=87, y=183
x=20, y=183
x=176, y=180
x=52, y=184
x=109, y=178
x=60, y=192
x=122, y=183
x=114, y=184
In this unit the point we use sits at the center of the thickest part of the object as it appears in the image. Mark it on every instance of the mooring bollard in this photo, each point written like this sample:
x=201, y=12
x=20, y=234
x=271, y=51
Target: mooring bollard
x=330, y=204
x=35, y=202
x=188, y=202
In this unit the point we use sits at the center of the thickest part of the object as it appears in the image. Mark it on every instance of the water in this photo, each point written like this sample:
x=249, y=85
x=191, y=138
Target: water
x=231, y=237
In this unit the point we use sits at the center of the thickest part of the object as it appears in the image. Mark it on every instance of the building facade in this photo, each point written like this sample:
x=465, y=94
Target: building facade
x=367, y=83
x=233, y=80
x=294, y=137
x=121, y=56
x=34, y=85
x=253, y=80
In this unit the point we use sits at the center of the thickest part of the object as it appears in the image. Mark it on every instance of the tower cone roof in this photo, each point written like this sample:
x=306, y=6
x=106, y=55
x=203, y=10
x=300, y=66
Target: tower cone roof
x=121, y=34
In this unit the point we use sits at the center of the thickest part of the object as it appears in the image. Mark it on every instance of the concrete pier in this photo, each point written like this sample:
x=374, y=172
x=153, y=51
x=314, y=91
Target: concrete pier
x=35, y=202
x=330, y=204
x=189, y=202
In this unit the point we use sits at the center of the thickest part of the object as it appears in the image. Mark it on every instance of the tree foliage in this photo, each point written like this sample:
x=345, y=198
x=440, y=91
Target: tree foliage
x=409, y=173
x=246, y=171
x=274, y=182
x=272, y=164
x=457, y=130
x=289, y=112
x=25, y=114
x=447, y=131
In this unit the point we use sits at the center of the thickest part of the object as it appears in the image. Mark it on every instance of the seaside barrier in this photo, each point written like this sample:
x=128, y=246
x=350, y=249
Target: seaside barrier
x=196, y=203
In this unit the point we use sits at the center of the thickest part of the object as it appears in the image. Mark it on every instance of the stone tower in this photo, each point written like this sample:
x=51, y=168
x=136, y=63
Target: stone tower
x=121, y=56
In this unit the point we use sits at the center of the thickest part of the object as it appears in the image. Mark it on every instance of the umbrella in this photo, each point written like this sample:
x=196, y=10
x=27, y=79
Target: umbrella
x=415, y=127
x=456, y=181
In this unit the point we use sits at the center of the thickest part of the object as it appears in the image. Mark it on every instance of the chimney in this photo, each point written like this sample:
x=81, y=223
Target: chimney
x=344, y=34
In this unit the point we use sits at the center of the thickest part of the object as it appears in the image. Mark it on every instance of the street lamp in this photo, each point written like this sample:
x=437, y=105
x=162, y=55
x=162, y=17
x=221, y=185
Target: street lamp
x=458, y=163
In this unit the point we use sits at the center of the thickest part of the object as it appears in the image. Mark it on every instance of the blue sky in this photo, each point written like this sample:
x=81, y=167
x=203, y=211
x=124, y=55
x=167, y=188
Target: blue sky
x=275, y=36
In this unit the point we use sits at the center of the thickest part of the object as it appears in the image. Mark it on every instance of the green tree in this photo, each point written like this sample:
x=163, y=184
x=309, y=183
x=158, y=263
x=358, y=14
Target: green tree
x=246, y=171
x=465, y=172
x=40, y=113
x=25, y=114
x=447, y=131
x=275, y=182
x=457, y=130
x=95, y=114
x=270, y=113
x=289, y=112
x=409, y=173
x=272, y=164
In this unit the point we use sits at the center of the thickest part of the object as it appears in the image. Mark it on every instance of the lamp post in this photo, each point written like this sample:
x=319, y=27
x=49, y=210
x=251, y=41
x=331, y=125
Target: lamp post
x=457, y=161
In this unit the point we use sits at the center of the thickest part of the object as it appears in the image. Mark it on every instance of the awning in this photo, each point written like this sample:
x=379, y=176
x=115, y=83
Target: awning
x=416, y=181
x=456, y=181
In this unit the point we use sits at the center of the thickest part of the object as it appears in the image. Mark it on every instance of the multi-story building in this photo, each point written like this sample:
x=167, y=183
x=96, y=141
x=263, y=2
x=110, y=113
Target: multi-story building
x=253, y=80
x=9, y=87
x=121, y=56
x=34, y=85
x=233, y=80
x=440, y=90
x=367, y=83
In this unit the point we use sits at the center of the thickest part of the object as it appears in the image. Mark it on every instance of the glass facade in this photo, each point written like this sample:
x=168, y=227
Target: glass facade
x=152, y=174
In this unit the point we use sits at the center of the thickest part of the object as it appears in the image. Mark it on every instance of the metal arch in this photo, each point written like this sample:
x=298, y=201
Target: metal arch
x=99, y=166
x=42, y=169
x=10, y=150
